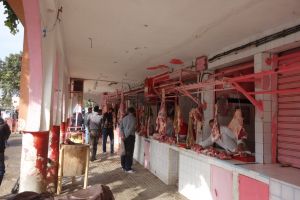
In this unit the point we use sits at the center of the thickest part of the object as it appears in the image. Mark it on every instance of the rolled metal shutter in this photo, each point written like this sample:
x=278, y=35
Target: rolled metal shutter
x=288, y=121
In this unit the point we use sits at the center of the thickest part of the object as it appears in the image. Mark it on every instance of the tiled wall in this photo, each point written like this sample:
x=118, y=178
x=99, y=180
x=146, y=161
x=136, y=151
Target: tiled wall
x=263, y=120
x=282, y=191
x=163, y=162
x=194, y=178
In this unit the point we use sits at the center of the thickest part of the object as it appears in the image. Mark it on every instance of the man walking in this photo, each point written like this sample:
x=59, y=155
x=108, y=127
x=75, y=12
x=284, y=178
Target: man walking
x=128, y=128
x=4, y=135
x=94, y=123
x=108, y=131
x=86, y=117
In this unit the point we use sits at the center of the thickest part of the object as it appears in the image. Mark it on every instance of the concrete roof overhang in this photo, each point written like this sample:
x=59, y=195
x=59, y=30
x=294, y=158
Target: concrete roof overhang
x=117, y=40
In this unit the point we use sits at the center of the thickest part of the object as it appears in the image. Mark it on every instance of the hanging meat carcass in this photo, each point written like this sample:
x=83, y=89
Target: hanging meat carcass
x=161, y=120
x=215, y=131
x=149, y=121
x=142, y=121
x=237, y=125
x=180, y=127
x=194, y=126
x=121, y=111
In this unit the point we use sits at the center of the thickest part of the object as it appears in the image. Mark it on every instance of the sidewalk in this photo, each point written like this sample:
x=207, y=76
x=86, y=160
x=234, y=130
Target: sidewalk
x=139, y=186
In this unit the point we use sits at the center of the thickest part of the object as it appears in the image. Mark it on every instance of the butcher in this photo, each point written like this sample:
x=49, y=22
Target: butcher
x=224, y=139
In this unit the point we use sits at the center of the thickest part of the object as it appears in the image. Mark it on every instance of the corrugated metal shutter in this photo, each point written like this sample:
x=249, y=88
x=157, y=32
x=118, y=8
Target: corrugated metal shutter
x=288, y=131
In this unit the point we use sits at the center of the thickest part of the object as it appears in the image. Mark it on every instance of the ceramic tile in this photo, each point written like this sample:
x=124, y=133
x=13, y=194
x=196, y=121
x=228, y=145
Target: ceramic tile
x=275, y=188
x=287, y=192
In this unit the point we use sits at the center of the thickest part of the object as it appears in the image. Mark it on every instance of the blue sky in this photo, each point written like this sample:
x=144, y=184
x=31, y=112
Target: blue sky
x=9, y=43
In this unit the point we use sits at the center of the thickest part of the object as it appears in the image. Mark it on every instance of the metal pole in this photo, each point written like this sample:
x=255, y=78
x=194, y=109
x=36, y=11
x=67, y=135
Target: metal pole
x=34, y=161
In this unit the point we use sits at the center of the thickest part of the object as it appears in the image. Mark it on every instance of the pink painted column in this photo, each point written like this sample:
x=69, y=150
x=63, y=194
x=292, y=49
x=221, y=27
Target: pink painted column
x=34, y=37
x=34, y=141
x=34, y=161
x=52, y=171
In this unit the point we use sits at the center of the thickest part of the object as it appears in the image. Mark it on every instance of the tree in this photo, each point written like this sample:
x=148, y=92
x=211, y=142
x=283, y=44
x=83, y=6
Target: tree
x=10, y=71
x=12, y=20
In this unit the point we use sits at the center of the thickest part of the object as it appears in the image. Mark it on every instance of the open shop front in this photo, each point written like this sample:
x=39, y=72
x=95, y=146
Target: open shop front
x=174, y=119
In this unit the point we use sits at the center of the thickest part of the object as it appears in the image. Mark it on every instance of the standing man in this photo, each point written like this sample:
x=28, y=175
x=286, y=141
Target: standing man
x=94, y=122
x=4, y=135
x=108, y=130
x=128, y=128
x=86, y=117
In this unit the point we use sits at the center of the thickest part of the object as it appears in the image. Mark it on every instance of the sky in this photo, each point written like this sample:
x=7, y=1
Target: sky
x=9, y=43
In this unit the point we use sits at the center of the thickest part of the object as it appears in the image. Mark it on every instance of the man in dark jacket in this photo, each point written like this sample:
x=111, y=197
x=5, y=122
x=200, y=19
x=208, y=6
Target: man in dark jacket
x=4, y=135
x=108, y=130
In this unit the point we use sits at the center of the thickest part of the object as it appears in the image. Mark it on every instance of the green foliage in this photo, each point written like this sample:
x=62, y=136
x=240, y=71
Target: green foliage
x=12, y=20
x=10, y=71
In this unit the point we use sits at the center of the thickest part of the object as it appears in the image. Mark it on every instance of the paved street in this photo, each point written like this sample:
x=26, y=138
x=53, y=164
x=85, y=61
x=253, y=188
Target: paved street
x=12, y=162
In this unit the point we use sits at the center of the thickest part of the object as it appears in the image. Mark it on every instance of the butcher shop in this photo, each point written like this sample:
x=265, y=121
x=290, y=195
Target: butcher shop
x=223, y=133
x=214, y=85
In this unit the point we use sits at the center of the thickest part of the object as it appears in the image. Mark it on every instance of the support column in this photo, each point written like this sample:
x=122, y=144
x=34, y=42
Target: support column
x=34, y=161
x=263, y=120
x=63, y=129
x=209, y=98
x=34, y=141
x=52, y=171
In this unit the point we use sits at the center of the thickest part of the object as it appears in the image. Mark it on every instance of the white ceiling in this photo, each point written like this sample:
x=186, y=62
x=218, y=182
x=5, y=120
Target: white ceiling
x=130, y=35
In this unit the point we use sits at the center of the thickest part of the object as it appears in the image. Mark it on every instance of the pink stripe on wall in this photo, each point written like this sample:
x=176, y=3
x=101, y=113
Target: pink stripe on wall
x=33, y=29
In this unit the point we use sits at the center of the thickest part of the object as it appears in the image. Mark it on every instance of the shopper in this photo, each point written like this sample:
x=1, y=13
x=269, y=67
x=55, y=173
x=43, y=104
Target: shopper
x=128, y=128
x=108, y=131
x=4, y=135
x=86, y=117
x=94, y=123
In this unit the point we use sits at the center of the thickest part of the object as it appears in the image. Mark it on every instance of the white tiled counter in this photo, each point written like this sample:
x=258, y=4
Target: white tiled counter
x=164, y=162
x=138, y=154
x=207, y=178
x=194, y=178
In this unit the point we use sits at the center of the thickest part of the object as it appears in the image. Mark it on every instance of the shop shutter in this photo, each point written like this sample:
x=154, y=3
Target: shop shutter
x=288, y=131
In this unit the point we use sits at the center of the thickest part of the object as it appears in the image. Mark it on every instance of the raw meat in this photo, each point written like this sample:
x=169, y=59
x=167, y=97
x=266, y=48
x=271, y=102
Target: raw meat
x=179, y=126
x=164, y=138
x=195, y=126
x=236, y=125
x=161, y=120
x=215, y=131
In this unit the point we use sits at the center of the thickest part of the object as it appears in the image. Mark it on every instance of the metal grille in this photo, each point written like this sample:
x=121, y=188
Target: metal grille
x=288, y=131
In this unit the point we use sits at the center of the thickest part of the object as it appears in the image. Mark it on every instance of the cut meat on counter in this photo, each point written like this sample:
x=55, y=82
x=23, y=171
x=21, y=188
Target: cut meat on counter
x=164, y=138
x=211, y=152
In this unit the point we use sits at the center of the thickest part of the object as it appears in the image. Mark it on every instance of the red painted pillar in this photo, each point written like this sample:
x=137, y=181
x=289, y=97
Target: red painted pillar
x=68, y=122
x=63, y=129
x=52, y=171
x=34, y=161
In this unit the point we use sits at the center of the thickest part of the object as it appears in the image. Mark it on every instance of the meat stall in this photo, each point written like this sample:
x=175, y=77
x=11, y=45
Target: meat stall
x=176, y=156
